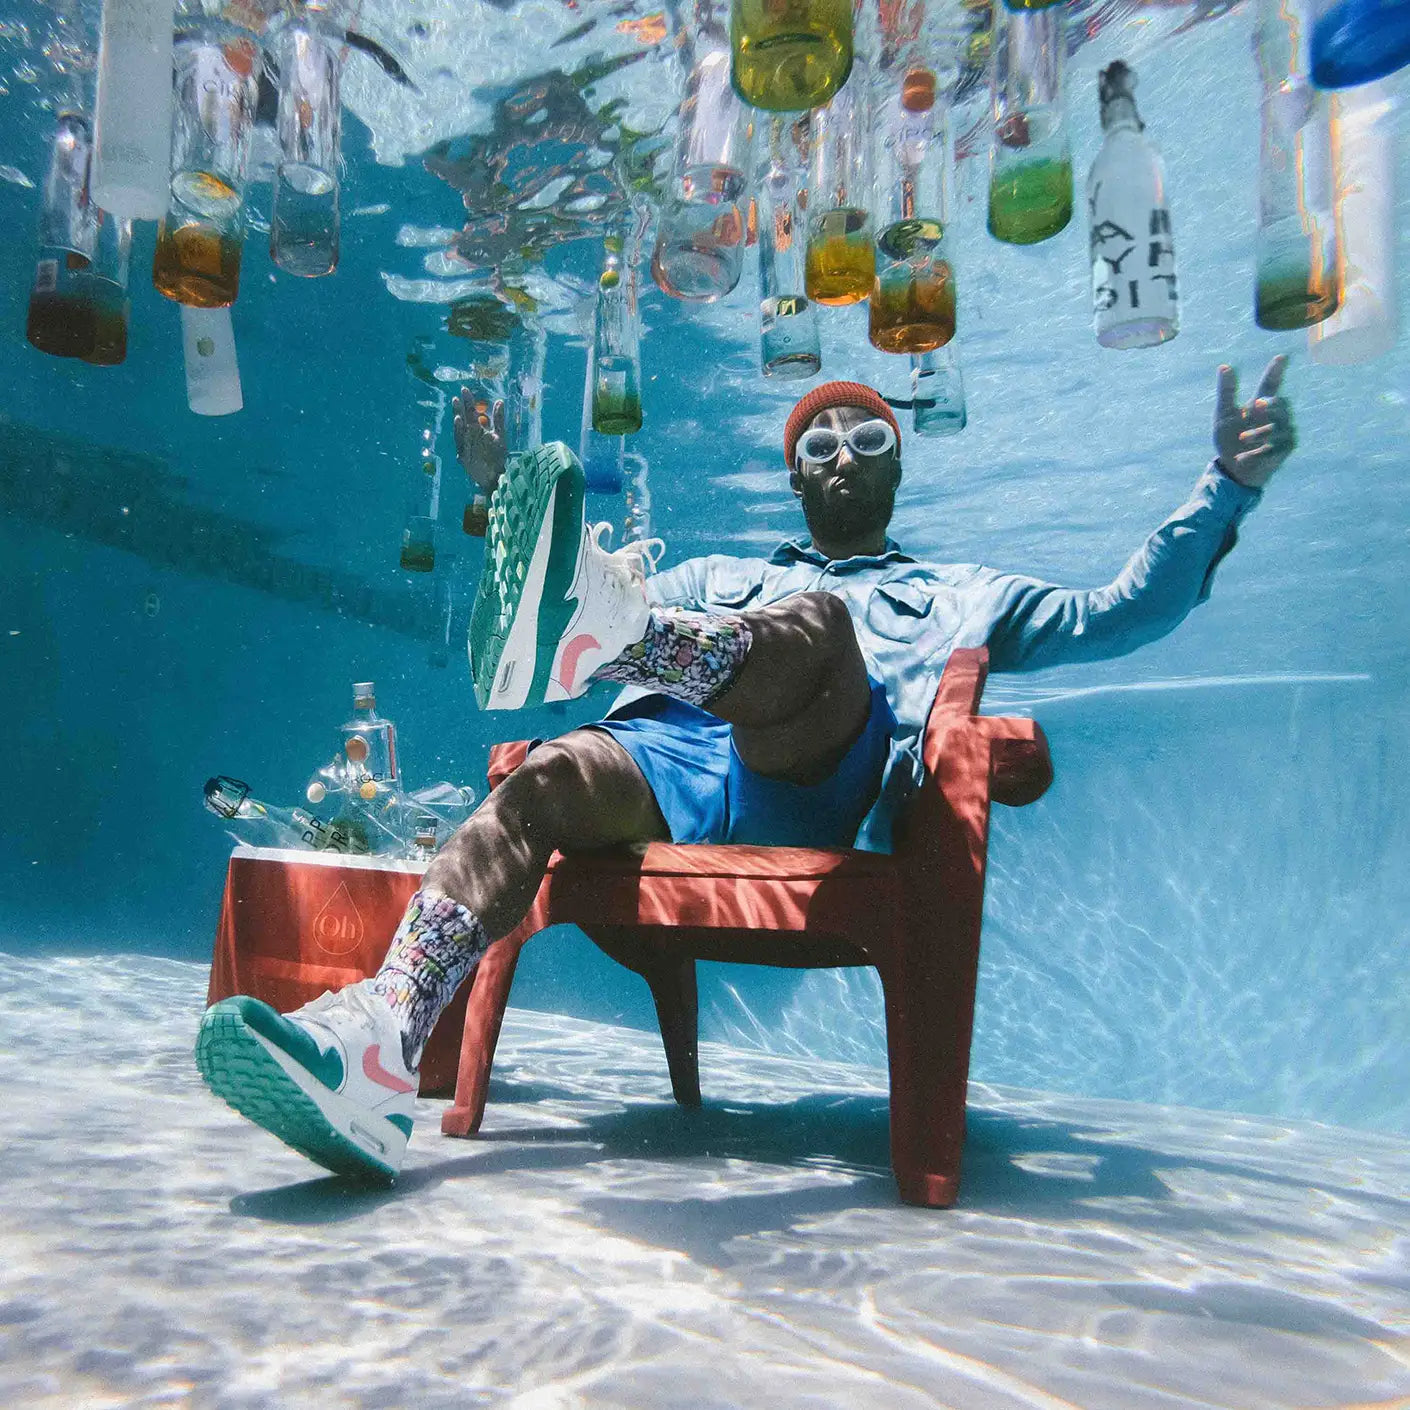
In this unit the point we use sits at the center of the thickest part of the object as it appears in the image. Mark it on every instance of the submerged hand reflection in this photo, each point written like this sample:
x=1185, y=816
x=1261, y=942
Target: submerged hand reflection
x=479, y=438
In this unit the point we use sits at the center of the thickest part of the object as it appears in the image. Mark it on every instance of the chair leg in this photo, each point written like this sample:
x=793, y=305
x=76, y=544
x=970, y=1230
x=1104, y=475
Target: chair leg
x=678, y=1012
x=929, y=986
x=484, y=1013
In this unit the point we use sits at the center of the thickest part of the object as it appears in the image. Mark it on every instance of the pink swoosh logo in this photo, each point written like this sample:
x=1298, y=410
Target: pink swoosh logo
x=572, y=654
x=373, y=1070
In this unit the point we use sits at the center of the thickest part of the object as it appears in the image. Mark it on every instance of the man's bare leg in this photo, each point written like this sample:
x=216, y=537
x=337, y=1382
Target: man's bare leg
x=577, y=792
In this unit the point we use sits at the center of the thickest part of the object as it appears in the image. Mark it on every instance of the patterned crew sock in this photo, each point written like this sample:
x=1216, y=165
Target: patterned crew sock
x=436, y=945
x=694, y=656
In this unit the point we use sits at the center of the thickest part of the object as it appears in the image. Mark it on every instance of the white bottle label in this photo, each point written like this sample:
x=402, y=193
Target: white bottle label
x=1133, y=258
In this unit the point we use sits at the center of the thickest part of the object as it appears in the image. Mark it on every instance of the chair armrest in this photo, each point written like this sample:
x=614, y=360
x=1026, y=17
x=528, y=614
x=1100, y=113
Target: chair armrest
x=1021, y=767
x=505, y=758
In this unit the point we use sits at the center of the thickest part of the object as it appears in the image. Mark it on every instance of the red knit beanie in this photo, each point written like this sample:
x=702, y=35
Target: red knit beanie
x=827, y=397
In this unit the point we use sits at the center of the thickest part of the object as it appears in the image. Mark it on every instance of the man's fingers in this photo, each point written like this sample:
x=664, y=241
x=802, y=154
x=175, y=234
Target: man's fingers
x=1226, y=393
x=1272, y=377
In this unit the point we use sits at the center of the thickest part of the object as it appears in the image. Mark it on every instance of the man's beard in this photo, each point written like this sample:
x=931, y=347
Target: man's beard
x=844, y=518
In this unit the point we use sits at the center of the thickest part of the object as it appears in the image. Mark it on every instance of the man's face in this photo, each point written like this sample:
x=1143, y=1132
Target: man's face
x=850, y=496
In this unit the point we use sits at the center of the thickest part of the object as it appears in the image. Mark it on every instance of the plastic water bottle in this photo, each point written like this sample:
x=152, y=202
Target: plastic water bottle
x=133, y=123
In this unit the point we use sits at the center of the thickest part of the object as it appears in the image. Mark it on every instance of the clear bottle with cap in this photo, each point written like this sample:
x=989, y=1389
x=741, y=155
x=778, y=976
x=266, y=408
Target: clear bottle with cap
x=840, y=257
x=260, y=824
x=62, y=320
x=304, y=219
x=615, y=368
x=1135, y=302
x=370, y=747
x=912, y=307
x=699, y=249
x=937, y=392
x=1297, y=280
x=1030, y=164
x=790, y=55
x=788, y=324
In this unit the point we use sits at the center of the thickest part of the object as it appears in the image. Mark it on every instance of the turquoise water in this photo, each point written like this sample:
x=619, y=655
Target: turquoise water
x=1208, y=909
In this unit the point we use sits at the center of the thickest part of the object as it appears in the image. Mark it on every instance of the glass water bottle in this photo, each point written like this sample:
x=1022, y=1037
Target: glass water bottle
x=937, y=392
x=840, y=258
x=303, y=227
x=1030, y=168
x=790, y=55
x=1135, y=303
x=913, y=297
x=616, y=346
x=1297, y=280
x=105, y=285
x=61, y=319
x=699, y=251
x=788, y=324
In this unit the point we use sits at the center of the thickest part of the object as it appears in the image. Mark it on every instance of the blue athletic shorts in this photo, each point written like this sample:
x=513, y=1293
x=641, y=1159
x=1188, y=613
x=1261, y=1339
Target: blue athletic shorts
x=707, y=793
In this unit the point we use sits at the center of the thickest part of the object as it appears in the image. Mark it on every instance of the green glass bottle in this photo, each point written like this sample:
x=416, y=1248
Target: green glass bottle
x=790, y=55
x=615, y=370
x=1030, y=173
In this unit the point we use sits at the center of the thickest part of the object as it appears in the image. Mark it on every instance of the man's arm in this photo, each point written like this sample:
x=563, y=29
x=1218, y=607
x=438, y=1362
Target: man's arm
x=1035, y=624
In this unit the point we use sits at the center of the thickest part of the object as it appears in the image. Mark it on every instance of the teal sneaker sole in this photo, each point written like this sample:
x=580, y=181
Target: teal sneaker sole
x=522, y=607
x=239, y=1069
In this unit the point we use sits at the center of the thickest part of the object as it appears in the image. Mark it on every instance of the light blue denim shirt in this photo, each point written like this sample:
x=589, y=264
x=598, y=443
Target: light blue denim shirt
x=910, y=616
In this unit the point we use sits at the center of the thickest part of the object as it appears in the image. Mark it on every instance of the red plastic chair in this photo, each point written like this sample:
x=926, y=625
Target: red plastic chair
x=915, y=915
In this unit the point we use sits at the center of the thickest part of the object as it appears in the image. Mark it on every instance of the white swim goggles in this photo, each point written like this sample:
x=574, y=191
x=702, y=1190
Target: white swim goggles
x=870, y=440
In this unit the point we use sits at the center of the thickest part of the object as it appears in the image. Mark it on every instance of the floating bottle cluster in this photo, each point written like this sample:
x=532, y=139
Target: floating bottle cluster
x=356, y=803
x=819, y=130
x=174, y=119
x=853, y=161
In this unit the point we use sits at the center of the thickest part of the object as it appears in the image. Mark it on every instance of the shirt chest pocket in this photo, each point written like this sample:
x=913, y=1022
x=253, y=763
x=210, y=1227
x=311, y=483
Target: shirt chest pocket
x=899, y=611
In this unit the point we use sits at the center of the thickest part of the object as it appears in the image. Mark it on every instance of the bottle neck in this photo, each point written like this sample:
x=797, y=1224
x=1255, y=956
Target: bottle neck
x=1120, y=115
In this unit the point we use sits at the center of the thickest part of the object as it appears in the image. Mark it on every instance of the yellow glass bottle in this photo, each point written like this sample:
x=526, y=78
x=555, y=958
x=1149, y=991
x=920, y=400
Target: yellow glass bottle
x=790, y=55
x=839, y=262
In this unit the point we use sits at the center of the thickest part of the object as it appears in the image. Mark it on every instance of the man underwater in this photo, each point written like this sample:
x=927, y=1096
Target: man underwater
x=777, y=701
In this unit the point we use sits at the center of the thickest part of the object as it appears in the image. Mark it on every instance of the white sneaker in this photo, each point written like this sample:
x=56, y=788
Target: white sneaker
x=553, y=604
x=328, y=1079
x=613, y=613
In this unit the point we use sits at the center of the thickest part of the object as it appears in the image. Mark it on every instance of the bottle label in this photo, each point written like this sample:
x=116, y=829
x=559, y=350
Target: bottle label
x=46, y=276
x=1133, y=258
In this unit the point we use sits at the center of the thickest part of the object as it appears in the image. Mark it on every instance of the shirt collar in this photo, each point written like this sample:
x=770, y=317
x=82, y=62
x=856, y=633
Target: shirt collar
x=802, y=551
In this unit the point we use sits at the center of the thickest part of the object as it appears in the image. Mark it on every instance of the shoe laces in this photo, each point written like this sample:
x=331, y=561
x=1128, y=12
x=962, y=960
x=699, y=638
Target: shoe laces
x=637, y=558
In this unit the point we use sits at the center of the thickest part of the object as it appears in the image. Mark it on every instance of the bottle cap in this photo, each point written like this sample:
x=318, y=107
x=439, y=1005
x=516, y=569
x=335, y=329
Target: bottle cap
x=364, y=690
x=918, y=91
x=367, y=790
x=316, y=792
